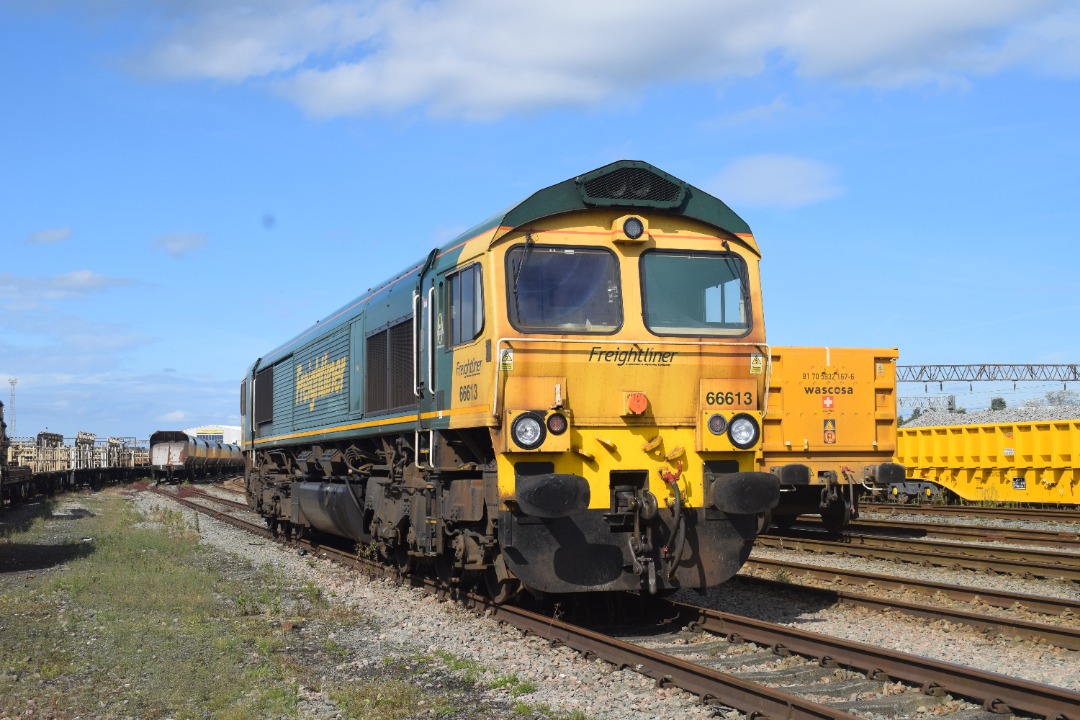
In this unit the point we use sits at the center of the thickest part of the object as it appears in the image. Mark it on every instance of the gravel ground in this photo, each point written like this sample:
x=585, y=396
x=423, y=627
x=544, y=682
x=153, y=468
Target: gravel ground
x=405, y=622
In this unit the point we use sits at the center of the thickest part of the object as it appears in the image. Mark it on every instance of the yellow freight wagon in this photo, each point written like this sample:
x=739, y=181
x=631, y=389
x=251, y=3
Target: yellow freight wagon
x=1030, y=462
x=830, y=429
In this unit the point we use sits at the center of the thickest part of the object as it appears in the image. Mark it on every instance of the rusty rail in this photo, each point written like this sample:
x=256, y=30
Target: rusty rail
x=950, y=555
x=1062, y=515
x=1058, y=635
x=996, y=598
x=998, y=693
x=1015, y=536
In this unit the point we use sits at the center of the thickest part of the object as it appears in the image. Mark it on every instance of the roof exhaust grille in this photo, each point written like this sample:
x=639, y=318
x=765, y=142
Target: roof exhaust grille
x=633, y=186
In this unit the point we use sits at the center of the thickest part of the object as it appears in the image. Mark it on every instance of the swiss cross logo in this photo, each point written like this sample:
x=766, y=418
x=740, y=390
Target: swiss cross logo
x=827, y=402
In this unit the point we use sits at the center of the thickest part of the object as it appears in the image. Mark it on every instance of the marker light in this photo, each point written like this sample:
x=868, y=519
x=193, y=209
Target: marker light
x=556, y=423
x=528, y=431
x=743, y=431
x=717, y=424
x=633, y=228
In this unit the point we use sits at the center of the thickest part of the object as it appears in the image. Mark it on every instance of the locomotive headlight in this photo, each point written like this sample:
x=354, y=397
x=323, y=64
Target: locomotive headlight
x=743, y=431
x=528, y=430
x=717, y=424
x=633, y=228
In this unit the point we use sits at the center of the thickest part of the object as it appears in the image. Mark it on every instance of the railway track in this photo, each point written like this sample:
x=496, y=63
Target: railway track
x=861, y=671
x=1014, y=561
x=1014, y=536
x=995, y=598
x=1062, y=515
x=991, y=625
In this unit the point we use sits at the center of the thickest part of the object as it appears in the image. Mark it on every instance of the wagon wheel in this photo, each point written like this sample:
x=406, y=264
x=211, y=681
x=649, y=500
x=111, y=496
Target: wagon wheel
x=784, y=522
x=836, y=517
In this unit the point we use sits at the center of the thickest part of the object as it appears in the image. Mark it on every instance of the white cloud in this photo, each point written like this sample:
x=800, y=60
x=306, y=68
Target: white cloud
x=174, y=416
x=50, y=236
x=179, y=244
x=487, y=58
x=28, y=291
x=775, y=181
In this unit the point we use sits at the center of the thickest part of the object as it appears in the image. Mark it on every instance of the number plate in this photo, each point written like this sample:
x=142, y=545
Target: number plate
x=720, y=395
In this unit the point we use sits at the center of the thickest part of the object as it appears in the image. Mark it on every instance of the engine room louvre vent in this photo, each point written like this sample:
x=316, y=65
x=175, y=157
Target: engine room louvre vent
x=389, y=369
x=378, y=380
x=401, y=358
x=632, y=186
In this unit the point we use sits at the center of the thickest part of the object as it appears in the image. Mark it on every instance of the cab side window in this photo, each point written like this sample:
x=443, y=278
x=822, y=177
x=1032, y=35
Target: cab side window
x=465, y=301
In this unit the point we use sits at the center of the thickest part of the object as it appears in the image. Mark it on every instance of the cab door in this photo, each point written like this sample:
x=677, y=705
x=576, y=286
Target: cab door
x=424, y=385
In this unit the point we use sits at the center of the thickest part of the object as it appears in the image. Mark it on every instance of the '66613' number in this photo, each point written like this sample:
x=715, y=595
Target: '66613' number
x=728, y=397
x=468, y=393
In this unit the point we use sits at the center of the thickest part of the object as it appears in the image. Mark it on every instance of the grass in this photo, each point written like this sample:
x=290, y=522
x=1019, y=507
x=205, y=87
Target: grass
x=123, y=618
x=139, y=626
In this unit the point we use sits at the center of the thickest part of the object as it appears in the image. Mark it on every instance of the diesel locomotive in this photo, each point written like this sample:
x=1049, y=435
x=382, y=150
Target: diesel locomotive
x=566, y=398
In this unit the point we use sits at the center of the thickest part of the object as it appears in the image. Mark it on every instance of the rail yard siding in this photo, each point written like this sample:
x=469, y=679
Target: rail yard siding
x=1032, y=461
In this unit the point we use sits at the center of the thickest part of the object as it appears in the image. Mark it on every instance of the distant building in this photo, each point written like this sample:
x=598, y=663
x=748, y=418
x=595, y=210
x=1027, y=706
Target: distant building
x=225, y=434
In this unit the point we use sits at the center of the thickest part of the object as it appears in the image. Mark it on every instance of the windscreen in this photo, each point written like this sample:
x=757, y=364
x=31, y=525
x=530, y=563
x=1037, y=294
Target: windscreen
x=563, y=289
x=695, y=293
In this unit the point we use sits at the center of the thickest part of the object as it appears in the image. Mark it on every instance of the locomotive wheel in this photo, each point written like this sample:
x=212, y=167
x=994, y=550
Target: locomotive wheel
x=403, y=561
x=445, y=570
x=500, y=591
x=764, y=522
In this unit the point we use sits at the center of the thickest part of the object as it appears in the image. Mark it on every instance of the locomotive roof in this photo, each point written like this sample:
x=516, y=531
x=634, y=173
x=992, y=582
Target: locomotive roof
x=629, y=184
x=624, y=184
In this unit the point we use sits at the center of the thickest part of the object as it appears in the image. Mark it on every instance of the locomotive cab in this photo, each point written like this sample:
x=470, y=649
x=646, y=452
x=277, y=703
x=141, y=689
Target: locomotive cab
x=630, y=394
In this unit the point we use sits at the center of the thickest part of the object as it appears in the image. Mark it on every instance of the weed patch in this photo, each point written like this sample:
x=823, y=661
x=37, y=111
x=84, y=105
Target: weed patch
x=108, y=613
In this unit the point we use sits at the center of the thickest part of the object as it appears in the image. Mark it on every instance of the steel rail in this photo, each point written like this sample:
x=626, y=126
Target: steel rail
x=948, y=555
x=995, y=598
x=998, y=693
x=711, y=686
x=1016, y=536
x=188, y=491
x=216, y=514
x=1057, y=635
x=1063, y=515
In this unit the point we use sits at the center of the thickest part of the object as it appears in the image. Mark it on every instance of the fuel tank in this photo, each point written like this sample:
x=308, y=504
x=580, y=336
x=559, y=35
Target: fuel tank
x=331, y=508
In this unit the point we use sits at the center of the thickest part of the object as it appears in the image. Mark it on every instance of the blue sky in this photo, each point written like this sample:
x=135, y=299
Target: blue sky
x=184, y=184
